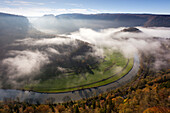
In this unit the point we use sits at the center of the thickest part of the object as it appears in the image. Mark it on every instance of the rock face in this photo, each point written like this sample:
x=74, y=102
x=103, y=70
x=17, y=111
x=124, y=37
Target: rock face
x=131, y=29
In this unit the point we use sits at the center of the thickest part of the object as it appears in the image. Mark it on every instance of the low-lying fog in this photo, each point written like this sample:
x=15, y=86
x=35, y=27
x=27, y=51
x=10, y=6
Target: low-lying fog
x=20, y=66
x=51, y=24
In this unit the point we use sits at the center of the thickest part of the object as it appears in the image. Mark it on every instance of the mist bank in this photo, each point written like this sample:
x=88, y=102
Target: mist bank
x=31, y=60
x=66, y=23
x=30, y=56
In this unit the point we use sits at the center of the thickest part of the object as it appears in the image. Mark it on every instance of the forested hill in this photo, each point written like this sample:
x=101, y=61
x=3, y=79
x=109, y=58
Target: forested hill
x=125, y=20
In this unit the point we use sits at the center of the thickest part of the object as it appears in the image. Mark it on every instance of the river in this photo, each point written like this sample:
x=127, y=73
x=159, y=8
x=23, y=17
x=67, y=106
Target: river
x=35, y=97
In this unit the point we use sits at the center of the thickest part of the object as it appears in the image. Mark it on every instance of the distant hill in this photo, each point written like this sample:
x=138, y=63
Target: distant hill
x=125, y=20
x=12, y=27
x=131, y=29
x=66, y=23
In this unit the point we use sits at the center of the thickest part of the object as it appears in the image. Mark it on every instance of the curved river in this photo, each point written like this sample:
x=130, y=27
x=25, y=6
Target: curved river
x=35, y=97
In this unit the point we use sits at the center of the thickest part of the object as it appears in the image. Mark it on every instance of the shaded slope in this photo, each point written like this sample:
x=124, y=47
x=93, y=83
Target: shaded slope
x=12, y=27
x=125, y=20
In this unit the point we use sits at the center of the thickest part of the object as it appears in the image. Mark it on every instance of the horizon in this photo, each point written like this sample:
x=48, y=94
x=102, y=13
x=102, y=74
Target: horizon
x=101, y=56
x=86, y=14
x=32, y=8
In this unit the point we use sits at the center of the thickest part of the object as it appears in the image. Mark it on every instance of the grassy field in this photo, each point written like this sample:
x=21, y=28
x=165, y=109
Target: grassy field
x=114, y=66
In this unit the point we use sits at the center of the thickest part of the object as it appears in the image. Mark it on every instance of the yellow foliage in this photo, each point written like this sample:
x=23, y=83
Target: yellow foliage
x=2, y=111
x=113, y=100
x=157, y=110
x=102, y=103
x=146, y=90
x=60, y=108
x=125, y=100
x=108, y=96
x=29, y=110
x=43, y=109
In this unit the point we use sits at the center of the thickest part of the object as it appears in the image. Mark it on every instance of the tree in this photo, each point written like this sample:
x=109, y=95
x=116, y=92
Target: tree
x=77, y=110
x=29, y=110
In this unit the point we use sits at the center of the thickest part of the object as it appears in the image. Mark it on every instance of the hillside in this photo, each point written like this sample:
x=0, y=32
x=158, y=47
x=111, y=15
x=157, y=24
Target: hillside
x=125, y=20
x=66, y=23
x=14, y=27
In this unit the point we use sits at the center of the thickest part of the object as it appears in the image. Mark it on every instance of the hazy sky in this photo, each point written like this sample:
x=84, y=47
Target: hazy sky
x=41, y=7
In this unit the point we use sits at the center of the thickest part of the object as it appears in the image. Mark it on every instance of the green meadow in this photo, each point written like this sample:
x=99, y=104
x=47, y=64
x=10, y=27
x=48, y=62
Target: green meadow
x=111, y=68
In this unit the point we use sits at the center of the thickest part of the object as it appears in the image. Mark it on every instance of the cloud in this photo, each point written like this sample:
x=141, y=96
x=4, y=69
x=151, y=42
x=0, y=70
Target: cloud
x=60, y=25
x=34, y=55
x=52, y=50
x=156, y=31
x=128, y=43
x=21, y=3
x=44, y=41
x=34, y=11
x=74, y=5
x=28, y=58
x=23, y=63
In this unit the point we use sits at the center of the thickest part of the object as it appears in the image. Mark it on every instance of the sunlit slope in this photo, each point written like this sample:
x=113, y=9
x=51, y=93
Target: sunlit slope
x=112, y=67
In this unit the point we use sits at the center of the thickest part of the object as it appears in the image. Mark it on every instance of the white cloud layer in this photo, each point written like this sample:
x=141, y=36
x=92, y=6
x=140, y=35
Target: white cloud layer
x=44, y=41
x=28, y=63
x=114, y=39
x=26, y=11
x=24, y=63
x=19, y=3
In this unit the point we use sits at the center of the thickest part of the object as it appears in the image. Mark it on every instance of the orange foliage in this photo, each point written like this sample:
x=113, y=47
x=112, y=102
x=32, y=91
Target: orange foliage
x=29, y=110
x=42, y=109
x=146, y=90
x=118, y=100
x=108, y=96
x=157, y=110
x=2, y=111
x=102, y=103
x=60, y=108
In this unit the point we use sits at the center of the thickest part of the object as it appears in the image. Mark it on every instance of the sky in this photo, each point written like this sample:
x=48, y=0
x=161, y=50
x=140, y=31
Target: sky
x=31, y=8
